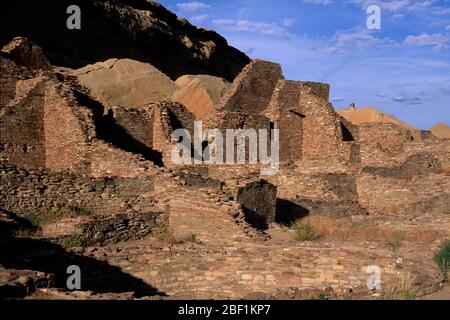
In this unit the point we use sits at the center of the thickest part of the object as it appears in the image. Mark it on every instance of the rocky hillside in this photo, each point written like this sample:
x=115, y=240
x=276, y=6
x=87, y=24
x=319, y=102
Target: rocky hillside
x=135, y=29
x=441, y=130
x=200, y=93
x=125, y=82
x=371, y=115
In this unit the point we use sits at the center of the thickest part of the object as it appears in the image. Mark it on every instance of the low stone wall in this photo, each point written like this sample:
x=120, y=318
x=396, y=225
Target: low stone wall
x=37, y=191
x=328, y=186
x=200, y=272
x=120, y=228
x=420, y=194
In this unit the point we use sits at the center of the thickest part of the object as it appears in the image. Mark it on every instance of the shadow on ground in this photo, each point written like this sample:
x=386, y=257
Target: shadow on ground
x=96, y=276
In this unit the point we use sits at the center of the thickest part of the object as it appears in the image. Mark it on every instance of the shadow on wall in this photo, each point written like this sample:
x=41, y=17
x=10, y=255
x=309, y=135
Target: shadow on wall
x=346, y=134
x=108, y=130
x=96, y=276
x=287, y=212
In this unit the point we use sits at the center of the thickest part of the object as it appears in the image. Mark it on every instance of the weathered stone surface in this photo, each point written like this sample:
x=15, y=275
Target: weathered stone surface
x=26, y=53
x=125, y=82
x=207, y=231
x=252, y=89
x=441, y=130
x=371, y=115
x=200, y=93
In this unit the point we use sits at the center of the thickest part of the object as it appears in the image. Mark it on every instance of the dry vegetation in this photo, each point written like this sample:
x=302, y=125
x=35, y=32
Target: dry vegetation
x=404, y=290
x=321, y=227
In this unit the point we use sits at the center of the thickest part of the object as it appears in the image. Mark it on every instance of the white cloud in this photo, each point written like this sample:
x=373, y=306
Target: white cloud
x=408, y=99
x=322, y=2
x=441, y=11
x=437, y=41
x=395, y=5
x=193, y=6
x=289, y=22
x=360, y=38
x=251, y=26
x=448, y=27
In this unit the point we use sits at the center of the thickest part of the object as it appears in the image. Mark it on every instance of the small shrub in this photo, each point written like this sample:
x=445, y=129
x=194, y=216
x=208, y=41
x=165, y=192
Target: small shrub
x=442, y=258
x=396, y=241
x=304, y=230
x=74, y=241
x=81, y=212
x=405, y=290
x=388, y=294
x=320, y=297
x=193, y=238
x=40, y=219
x=25, y=232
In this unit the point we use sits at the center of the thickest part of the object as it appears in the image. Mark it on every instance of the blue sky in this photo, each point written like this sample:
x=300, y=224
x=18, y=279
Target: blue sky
x=402, y=69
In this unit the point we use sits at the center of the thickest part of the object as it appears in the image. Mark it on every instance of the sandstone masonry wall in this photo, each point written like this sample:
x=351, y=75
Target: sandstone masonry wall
x=246, y=269
x=252, y=89
x=42, y=192
x=22, y=126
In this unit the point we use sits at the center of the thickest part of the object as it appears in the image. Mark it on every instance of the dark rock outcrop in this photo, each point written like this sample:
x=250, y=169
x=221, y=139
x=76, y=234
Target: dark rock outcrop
x=136, y=29
x=258, y=200
x=25, y=53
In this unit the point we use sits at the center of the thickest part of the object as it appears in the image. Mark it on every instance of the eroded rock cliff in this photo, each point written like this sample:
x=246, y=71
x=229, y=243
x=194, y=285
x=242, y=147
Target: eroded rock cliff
x=135, y=29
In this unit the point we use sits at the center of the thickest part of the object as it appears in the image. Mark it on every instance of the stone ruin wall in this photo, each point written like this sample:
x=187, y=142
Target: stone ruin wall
x=138, y=123
x=22, y=128
x=246, y=269
x=150, y=127
x=320, y=132
x=64, y=140
x=418, y=185
x=382, y=144
x=309, y=127
x=284, y=109
x=252, y=89
x=313, y=137
x=389, y=145
x=439, y=148
x=57, y=133
x=38, y=191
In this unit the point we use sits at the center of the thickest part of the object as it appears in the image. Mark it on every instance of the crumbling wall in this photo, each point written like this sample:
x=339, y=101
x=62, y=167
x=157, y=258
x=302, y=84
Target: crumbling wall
x=284, y=110
x=309, y=127
x=138, y=123
x=438, y=148
x=118, y=228
x=26, y=53
x=320, y=131
x=382, y=144
x=22, y=125
x=418, y=185
x=258, y=200
x=64, y=140
x=415, y=165
x=330, y=186
x=242, y=269
x=42, y=192
x=252, y=90
x=10, y=73
x=390, y=195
